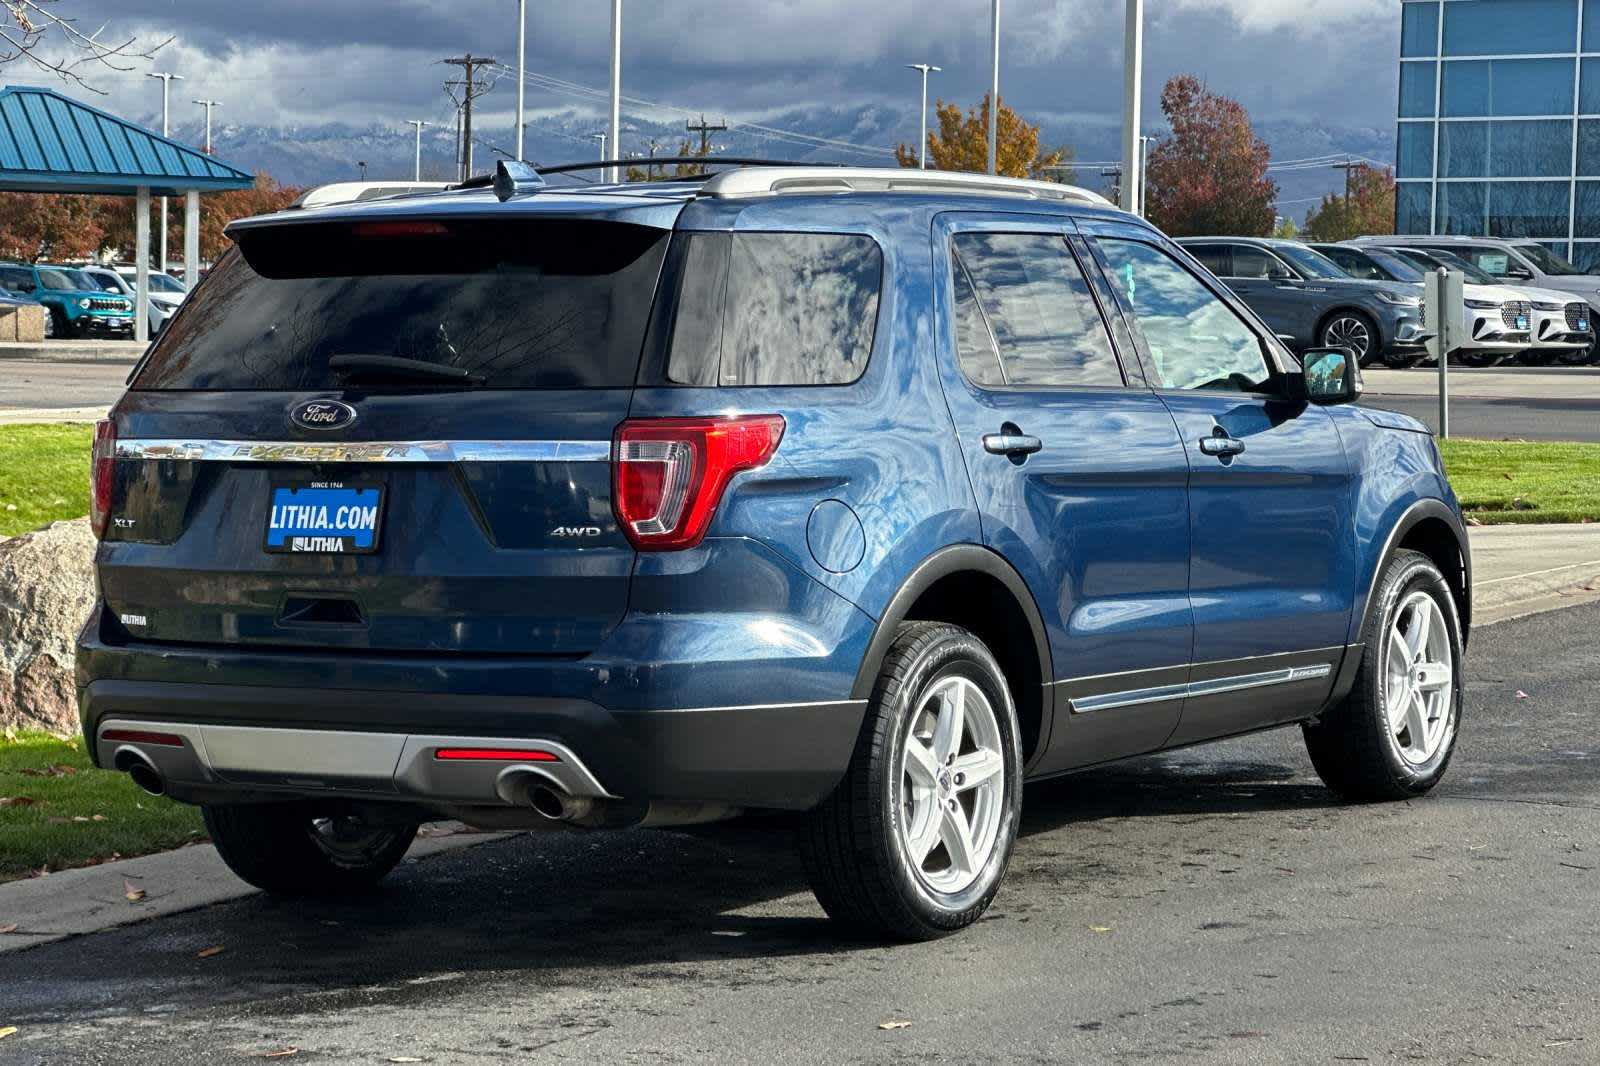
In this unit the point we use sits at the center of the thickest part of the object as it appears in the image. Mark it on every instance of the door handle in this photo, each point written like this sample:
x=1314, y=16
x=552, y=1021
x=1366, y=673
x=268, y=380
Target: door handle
x=1011, y=444
x=1221, y=445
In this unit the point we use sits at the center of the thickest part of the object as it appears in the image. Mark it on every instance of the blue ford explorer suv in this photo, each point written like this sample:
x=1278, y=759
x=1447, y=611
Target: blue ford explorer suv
x=863, y=494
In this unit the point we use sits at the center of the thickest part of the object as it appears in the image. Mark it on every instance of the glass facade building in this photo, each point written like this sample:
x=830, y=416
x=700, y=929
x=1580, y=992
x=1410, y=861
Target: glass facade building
x=1499, y=122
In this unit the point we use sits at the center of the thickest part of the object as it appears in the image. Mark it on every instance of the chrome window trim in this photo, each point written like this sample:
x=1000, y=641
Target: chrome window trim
x=419, y=451
x=1211, y=687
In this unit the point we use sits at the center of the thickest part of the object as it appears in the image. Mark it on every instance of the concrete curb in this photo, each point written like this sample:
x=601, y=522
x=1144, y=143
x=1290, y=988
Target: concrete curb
x=92, y=899
x=1520, y=570
x=125, y=352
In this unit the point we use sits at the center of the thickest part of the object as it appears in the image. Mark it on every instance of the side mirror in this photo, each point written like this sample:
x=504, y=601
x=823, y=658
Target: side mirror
x=1520, y=273
x=1328, y=376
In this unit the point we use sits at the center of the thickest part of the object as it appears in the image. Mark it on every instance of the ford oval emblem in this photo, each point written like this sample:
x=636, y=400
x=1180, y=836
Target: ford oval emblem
x=322, y=414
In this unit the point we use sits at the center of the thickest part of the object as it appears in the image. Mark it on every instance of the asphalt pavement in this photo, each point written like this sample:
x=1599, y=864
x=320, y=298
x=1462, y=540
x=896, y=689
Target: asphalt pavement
x=1210, y=905
x=1519, y=403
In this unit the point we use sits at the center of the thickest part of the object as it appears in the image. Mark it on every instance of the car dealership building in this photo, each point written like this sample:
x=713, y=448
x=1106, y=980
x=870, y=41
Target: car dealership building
x=1499, y=121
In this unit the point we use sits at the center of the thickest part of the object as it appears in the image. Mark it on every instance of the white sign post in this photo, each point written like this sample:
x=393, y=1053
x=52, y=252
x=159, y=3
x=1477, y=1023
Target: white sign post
x=1445, y=312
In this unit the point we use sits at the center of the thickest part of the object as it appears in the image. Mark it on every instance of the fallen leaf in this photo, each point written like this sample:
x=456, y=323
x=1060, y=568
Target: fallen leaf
x=217, y=949
x=281, y=1053
x=1100, y=929
x=132, y=892
x=80, y=818
x=17, y=801
x=404, y=1058
x=4, y=929
x=98, y=818
x=1521, y=695
x=7, y=1031
x=896, y=1024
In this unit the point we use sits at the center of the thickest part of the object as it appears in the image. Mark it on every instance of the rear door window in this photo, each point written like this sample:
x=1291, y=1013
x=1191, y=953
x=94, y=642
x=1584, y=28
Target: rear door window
x=553, y=304
x=1025, y=314
x=773, y=308
x=1214, y=257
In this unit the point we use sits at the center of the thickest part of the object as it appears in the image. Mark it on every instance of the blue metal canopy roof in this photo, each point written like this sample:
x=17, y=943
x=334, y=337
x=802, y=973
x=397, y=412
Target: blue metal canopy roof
x=52, y=143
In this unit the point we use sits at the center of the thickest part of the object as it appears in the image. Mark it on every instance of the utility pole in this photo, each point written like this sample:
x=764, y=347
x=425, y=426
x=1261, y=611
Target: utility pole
x=994, y=82
x=922, y=150
x=471, y=89
x=166, y=111
x=705, y=130
x=1132, y=83
x=362, y=163
x=418, y=123
x=1349, y=167
x=208, y=105
x=522, y=72
x=616, y=85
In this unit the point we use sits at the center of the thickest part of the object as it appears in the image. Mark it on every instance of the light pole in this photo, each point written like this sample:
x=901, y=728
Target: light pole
x=616, y=84
x=522, y=70
x=208, y=105
x=602, y=139
x=166, y=111
x=362, y=163
x=994, y=82
x=1132, y=79
x=417, y=170
x=922, y=152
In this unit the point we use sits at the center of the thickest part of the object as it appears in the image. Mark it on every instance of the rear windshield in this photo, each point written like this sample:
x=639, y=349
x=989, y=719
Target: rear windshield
x=538, y=304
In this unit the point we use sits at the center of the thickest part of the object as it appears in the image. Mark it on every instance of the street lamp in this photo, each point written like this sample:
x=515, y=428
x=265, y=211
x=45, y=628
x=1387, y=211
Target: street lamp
x=362, y=163
x=922, y=152
x=1132, y=77
x=418, y=123
x=208, y=105
x=166, y=112
x=994, y=81
x=522, y=71
x=602, y=139
x=616, y=84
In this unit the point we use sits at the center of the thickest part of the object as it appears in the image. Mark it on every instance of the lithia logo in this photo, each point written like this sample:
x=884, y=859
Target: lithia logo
x=322, y=414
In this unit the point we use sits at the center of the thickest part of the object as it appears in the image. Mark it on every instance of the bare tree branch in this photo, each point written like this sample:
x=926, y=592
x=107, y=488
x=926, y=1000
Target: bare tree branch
x=28, y=29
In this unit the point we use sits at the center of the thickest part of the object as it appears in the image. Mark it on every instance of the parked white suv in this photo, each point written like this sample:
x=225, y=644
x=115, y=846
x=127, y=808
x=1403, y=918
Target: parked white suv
x=1561, y=325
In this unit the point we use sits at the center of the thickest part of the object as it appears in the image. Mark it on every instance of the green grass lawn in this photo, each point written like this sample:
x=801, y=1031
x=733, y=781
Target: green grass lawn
x=56, y=811
x=1525, y=481
x=44, y=475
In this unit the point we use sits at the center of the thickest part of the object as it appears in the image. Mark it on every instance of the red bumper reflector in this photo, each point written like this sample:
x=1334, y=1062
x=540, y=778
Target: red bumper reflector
x=142, y=736
x=495, y=755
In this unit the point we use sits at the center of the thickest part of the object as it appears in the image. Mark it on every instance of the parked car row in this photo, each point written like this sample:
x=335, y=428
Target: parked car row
x=90, y=301
x=1522, y=302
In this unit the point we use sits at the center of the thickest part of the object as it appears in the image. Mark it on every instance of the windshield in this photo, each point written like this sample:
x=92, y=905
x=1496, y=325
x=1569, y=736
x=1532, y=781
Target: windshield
x=165, y=283
x=108, y=282
x=1397, y=268
x=1470, y=270
x=56, y=280
x=1547, y=261
x=543, y=304
x=1310, y=263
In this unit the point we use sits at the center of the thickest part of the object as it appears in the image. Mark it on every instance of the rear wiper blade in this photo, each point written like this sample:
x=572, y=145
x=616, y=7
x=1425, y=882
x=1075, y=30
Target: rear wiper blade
x=394, y=366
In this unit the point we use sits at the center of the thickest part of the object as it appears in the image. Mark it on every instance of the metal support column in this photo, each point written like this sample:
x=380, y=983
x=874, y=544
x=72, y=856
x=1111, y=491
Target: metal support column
x=141, y=289
x=191, y=239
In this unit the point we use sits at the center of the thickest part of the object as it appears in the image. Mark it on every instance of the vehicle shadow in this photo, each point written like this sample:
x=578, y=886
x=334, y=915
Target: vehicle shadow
x=533, y=906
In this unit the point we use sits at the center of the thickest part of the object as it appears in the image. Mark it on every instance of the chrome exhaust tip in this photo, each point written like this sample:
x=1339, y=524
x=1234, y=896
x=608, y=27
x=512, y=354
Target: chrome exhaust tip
x=559, y=805
x=137, y=766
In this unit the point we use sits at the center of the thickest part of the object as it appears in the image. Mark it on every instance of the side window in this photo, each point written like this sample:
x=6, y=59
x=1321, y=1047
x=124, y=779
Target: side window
x=774, y=309
x=16, y=278
x=1028, y=315
x=1214, y=257
x=1252, y=262
x=1196, y=341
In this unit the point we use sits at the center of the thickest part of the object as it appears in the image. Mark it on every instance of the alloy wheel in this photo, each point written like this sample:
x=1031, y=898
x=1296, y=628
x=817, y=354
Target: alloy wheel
x=1419, y=679
x=1347, y=331
x=952, y=785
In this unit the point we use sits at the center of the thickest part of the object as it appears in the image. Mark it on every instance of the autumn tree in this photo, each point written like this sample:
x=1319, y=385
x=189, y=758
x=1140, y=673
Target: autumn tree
x=217, y=210
x=1209, y=176
x=46, y=226
x=962, y=142
x=686, y=150
x=1365, y=209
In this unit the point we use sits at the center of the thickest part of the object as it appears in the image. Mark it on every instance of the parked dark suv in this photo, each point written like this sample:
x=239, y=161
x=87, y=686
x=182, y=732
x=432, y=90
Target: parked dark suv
x=1308, y=300
x=864, y=494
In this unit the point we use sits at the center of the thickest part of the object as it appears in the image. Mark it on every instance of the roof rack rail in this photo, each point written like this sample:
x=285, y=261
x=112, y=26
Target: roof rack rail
x=345, y=192
x=484, y=181
x=759, y=182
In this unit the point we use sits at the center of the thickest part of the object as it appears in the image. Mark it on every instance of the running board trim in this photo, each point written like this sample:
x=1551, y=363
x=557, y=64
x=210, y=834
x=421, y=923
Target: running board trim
x=1215, y=686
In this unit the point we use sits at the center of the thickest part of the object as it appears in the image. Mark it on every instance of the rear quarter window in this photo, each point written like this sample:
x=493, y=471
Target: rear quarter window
x=757, y=309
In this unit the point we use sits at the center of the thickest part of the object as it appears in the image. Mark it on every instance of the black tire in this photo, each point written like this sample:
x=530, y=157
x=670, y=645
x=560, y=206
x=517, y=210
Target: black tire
x=1576, y=356
x=1479, y=360
x=1351, y=745
x=852, y=845
x=1343, y=329
x=58, y=325
x=280, y=849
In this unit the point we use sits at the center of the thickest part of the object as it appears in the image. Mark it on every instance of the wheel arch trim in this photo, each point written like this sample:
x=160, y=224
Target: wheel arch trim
x=1415, y=514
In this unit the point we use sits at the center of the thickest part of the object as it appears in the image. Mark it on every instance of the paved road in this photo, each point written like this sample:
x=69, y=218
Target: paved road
x=1527, y=403
x=1212, y=905
x=34, y=390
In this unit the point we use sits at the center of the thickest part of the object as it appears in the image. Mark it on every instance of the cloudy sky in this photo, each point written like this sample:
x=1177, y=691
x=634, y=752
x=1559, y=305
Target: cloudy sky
x=307, y=62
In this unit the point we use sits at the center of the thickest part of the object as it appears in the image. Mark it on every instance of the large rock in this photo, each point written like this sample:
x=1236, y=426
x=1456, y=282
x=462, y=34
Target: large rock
x=46, y=592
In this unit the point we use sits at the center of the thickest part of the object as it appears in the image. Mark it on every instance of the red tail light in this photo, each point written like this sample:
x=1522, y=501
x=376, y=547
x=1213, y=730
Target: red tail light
x=495, y=755
x=669, y=473
x=142, y=736
x=101, y=467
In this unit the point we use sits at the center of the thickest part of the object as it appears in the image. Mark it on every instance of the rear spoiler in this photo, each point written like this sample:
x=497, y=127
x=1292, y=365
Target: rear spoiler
x=350, y=192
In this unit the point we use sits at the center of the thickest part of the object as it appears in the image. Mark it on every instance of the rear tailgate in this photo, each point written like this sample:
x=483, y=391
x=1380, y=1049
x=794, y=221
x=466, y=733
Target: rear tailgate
x=288, y=474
